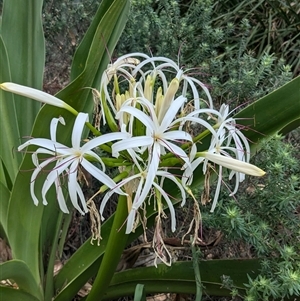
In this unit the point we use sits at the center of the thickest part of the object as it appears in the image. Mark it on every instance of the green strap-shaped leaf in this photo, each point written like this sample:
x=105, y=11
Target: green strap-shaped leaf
x=272, y=113
x=84, y=263
x=4, y=199
x=139, y=293
x=12, y=294
x=109, y=30
x=82, y=52
x=9, y=136
x=180, y=278
x=22, y=33
x=21, y=274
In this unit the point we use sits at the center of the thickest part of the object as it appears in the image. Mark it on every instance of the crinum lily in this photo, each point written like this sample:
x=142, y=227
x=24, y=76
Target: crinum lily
x=67, y=161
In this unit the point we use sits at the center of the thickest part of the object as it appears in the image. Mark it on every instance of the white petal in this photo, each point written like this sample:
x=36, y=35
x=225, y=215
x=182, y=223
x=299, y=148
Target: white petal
x=217, y=192
x=95, y=142
x=60, y=167
x=53, y=127
x=60, y=197
x=45, y=143
x=170, y=205
x=100, y=176
x=151, y=173
x=145, y=119
x=35, y=158
x=177, y=135
x=171, y=113
x=73, y=186
x=196, y=120
x=176, y=150
x=130, y=221
x=131, y=143
x=33, y=179
x=80, y=121
x=176, y=181
x=104, y=202
x=96, y=157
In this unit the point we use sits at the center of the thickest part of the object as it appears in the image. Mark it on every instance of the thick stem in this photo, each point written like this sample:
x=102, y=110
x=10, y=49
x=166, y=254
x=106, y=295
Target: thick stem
x=113, y=251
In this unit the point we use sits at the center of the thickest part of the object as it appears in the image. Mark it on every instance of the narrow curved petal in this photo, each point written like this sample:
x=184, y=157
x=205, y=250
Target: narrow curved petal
x=171, y=113
x=176, y=181
x=183, y=120
x=177, y=136
x=151, y=173
x=78, y=127
x=130, y=221
x=73, y=186
x=145, y=119
x=46, y=143
x=176, y=150
x=131, y=143
x=60, y=167
x=104, y=202
x=35, y=158
x=53, y=127
x=60, y=197
x=170, y=205
x=100, y=176
x=96, y=157
x=95, y=142
x=217, y=192
x=33, y=179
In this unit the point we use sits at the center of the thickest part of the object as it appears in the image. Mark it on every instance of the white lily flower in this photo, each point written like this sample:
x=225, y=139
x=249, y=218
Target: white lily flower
x=68, y=160
x=141, y=83
x=37, y=95
x=158, y=139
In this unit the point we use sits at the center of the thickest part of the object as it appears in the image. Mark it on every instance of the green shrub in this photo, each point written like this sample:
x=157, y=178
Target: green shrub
x=188, y=33
x=264, y=218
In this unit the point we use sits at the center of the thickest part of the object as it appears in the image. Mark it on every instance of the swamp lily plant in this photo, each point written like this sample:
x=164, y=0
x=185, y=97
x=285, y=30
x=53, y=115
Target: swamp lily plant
x=158, y=116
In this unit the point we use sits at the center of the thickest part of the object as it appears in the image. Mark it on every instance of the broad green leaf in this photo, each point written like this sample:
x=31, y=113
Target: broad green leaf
x=139, y=293
x=290, y=127
x=197, y=272
x=272, y=113
x=82, y=52
x=4, y=199
x=22, y=33
x=12, y=294
x=21, y=274
x=8, y=122
x=108, y=29
x=24, y=221
x=85, y=263
x=180, y=278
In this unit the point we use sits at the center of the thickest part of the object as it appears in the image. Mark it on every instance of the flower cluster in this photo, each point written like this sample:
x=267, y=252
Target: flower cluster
x=158, y=115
